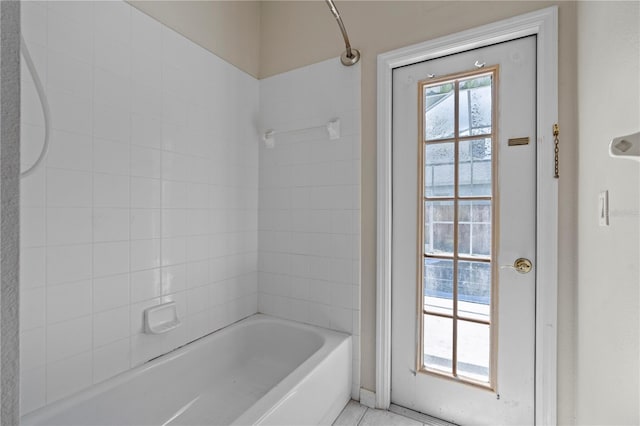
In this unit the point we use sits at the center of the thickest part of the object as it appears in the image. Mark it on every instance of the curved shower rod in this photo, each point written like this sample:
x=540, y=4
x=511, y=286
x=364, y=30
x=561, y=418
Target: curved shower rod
x=350, y=56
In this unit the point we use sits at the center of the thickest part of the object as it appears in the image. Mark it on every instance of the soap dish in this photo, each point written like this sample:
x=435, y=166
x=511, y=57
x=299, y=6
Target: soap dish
x=161, y=318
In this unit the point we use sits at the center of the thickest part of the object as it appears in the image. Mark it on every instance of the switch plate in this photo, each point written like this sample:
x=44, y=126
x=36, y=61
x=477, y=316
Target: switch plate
x=603, y=208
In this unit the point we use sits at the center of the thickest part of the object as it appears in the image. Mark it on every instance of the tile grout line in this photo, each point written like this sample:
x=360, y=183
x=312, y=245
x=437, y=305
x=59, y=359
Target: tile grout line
x=358, y=423
x=130, y=209
x=46, y=249
x=93, y=197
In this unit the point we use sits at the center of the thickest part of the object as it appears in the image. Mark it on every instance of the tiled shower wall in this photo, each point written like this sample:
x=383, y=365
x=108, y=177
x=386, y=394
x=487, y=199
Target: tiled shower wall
x=309, y=209
x=149, y=194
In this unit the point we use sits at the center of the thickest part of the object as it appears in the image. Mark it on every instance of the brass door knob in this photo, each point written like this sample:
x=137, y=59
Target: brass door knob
x=521, y=265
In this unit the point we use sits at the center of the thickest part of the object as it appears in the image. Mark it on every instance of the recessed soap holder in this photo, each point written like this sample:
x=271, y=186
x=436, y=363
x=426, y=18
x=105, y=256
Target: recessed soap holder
x=161, y=318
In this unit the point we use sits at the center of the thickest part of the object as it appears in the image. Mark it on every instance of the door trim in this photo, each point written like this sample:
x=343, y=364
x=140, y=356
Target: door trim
x=544, y=24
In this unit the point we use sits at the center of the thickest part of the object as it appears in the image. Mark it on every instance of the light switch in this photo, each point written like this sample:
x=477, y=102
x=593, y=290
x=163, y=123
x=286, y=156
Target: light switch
x=603, y=208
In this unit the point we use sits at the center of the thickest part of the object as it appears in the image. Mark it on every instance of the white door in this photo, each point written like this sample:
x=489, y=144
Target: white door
x=464, y=202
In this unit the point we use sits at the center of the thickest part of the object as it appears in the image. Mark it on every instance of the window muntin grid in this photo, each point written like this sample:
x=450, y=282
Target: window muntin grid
x=456, y=277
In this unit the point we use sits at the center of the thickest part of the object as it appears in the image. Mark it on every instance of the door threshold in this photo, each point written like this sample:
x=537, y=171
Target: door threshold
x=426, y=419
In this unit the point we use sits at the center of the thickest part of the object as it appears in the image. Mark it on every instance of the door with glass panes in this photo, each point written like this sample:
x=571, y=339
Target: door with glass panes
x=464, y=202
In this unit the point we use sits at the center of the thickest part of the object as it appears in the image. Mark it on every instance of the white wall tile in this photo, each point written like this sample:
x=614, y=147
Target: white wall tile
x=174, y=83
x=146, y=193
x=68, y=263
x=69, y=225
x=174, y=279
x=110, y=292
x=180, y=299
x=31, y=140
x=197, y=274
x=197, y=300
x=33, y=23
x=174, y=194
x=146, y=70
x=146, y=100
x=342, y=319
x=342, y=296
x=145, y=254
x=197, y=248
x=110, y=258
x=146, y=34
x=110, y=224
x=145, y=223
x=68, y=301
x=309, y=199
x=174, y=222
x=32, y=127
x=198, y=222
x=111, y=89
x=32, y=189
x=71, y=151
x=69, y=375
x=112, y=20
x=32, y=226
x=110, y=326
x=72, y=12
x=68, y=73
x=110, y=190
x=145, y=285
x=146, y=162
x=111, y=54
x=32, y=389
x=172, y=134
x=153, y=164
x=146, y=130
x=68, y=338
x=112, y=122
x=32, y=267
x=39, y=54
x=69, y=34
x=145, y=347
x=198, y=196
x=174, y=251
x=31, y=113
x=110, y=157
x=32, y=308
x=67, y=188
x=69, y=112
x=110, y=360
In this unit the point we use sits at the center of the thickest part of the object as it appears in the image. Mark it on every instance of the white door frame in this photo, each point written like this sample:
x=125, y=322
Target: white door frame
x=544, y=24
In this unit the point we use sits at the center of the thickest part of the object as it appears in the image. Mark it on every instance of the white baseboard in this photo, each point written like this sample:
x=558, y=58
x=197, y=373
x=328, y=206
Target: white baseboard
x=367, y=398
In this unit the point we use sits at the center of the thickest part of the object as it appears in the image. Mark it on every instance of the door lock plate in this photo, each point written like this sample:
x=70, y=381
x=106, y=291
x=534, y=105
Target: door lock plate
x=519, y=141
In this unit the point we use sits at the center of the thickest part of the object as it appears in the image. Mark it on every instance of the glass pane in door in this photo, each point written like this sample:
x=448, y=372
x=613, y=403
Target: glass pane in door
x=456, y=281
x=438, y=343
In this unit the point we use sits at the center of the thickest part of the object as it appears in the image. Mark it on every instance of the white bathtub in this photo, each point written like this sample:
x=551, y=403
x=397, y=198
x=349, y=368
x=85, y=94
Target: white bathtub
x=260, y=370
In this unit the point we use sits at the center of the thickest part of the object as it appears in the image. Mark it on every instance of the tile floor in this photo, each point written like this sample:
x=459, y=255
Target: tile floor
x=355, y=414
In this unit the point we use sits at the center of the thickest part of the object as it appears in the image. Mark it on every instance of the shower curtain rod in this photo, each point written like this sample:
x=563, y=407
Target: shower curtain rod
x=350, y=56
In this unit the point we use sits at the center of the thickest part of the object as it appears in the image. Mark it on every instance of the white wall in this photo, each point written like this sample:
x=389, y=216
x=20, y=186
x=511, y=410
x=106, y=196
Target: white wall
x=309, y=209
x=149, y=194
x=607, y=352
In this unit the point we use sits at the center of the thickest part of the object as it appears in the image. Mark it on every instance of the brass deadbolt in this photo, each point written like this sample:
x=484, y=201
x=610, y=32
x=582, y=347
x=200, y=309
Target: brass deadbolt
x=522, y=265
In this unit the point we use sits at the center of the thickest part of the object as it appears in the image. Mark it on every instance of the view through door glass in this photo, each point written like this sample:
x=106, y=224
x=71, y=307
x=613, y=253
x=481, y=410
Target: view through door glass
x=456, y=278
